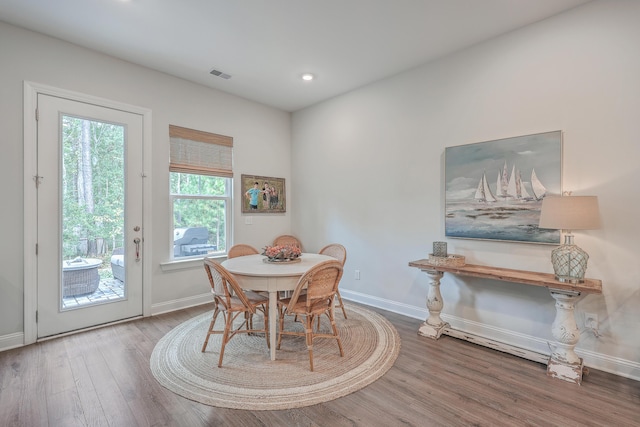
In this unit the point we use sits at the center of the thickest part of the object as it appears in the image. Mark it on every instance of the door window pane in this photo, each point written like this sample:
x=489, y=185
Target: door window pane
x=92, y=192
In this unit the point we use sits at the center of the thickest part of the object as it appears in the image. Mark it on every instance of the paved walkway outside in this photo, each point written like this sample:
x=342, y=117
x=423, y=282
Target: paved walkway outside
x=108, y=290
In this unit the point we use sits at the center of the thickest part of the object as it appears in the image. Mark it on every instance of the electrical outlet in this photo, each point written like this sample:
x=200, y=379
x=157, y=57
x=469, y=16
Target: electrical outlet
x=591, y=321
x=357, y=275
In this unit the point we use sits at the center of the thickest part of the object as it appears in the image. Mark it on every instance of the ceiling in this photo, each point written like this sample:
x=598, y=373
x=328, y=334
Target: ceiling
x=266, y=45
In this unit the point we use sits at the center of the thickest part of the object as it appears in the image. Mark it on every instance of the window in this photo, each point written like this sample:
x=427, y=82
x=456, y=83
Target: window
x=201, y=193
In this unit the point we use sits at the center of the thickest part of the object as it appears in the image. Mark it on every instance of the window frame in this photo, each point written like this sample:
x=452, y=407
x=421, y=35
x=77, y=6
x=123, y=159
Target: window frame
x=228, y=200
x=201, y=154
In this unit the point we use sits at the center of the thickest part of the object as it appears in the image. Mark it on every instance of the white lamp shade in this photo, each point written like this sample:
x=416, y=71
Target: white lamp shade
x=570, y=213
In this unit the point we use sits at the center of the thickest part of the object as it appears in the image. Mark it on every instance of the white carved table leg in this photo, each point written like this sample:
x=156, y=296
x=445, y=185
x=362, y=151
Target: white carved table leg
x=564, y=363
x=434, y=325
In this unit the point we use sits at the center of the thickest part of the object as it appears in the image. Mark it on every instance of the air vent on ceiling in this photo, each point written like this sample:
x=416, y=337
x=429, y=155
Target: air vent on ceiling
x=220, y=74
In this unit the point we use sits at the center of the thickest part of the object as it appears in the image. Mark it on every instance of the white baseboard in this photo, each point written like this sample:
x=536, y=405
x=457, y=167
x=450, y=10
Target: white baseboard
x=500, y=335
x=527, y=346
x=392, y=306
x=497, y=345
x=9, y=341
x=614, y=365
x=178, y=304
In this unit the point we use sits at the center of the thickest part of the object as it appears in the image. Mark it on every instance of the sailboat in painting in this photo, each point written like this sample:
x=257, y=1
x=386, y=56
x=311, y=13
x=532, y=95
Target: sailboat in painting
x=483, y=192
x=503, y=182
x=511, y=186
x=516, y=188
x=521, y=190
x=539, y=190
x=492, y=191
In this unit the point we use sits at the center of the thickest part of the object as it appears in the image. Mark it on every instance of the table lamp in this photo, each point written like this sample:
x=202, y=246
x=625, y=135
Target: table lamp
x=569, y=213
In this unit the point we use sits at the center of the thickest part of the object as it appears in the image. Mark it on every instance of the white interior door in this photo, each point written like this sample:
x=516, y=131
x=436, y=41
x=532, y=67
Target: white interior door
x=89, y=219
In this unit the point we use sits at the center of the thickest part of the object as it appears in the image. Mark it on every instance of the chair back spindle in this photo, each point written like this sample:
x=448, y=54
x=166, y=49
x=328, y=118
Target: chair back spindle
x=287, y=240
x=241, y=250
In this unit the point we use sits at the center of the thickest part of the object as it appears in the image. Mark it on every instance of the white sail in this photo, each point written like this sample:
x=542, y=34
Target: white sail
x=487, y=190
x=480, y=192
x=511, y=186
x=522, y=191
x=502, y=191
x=483, y=192
x=538, y=189
x=499, y=184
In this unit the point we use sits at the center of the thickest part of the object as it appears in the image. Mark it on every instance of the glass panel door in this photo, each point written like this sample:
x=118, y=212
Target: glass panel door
x=89, y=215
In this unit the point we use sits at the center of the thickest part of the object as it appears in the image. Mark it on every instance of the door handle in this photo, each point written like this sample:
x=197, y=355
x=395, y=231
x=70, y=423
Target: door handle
x=137, y=242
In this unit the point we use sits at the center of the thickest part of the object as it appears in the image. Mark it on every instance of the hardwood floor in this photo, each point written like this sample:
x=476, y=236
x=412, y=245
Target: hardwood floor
x=102, y=378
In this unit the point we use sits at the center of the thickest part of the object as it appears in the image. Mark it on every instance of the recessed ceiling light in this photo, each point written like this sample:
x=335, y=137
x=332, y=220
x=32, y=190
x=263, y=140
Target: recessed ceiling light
x=307, y=77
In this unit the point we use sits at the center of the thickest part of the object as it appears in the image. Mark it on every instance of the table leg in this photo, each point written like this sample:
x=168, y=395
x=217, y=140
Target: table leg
x=434, y=325
x=273, y=320
x=564, y=363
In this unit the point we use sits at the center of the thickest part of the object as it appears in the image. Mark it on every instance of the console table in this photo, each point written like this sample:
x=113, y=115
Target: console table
x=563, y=363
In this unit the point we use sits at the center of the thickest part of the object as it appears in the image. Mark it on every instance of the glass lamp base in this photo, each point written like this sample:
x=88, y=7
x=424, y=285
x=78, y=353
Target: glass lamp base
x=569, y=263
x=568, y=279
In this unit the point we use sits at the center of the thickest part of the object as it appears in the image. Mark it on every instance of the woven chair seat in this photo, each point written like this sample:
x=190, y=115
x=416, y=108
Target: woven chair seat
x=300, y=307
x=254, y=299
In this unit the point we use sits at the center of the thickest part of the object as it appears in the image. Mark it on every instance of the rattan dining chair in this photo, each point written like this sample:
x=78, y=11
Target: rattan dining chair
x=241, y=250
x=232, y=301
x=339, y=252
x=287, y=240
x=321, y=283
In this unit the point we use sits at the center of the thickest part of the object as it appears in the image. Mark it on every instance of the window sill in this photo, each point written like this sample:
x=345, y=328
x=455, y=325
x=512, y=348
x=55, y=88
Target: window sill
x=185, y=264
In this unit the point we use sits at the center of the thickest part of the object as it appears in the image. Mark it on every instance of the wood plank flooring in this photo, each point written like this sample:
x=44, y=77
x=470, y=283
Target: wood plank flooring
x=102, y=378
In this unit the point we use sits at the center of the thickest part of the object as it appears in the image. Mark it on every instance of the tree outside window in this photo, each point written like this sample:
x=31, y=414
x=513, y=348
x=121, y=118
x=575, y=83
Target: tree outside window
x=201, y=205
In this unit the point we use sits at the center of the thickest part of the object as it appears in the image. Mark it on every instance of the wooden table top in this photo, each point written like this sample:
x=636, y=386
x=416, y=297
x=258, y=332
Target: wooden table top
x=592, y=286
x=254, y=265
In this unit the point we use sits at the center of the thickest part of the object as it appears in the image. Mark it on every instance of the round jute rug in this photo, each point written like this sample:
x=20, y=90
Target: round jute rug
x=248, y=378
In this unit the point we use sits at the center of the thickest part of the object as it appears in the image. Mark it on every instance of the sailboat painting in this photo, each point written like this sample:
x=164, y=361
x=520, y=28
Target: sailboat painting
x=494, y=189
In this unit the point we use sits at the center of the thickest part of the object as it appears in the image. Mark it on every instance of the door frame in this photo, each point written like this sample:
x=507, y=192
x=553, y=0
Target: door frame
x=30, y=92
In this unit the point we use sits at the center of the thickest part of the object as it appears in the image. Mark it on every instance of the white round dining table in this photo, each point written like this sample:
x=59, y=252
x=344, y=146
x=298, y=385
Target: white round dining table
x=253, y=273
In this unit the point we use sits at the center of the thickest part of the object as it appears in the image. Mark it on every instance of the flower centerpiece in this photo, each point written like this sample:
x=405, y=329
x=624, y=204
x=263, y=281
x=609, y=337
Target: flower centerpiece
x=281, y=253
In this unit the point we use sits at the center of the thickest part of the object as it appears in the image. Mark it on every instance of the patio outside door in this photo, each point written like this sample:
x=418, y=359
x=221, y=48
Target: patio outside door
x=89, y=251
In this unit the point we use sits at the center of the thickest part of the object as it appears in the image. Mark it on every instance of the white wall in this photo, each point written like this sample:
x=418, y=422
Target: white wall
x=261, y=147
x=368, y=172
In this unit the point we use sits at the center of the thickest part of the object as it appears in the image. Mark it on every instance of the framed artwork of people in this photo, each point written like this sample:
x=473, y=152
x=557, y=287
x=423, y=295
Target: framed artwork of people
x=263, y=194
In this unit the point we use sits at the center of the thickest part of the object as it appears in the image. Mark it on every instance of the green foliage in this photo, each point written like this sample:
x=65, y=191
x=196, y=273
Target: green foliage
x=199, y=201
x=98, y=211
x=197, y=185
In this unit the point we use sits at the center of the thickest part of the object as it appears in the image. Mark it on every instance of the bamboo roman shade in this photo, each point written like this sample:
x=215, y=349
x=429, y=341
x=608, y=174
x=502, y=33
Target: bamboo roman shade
x=202, y=153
